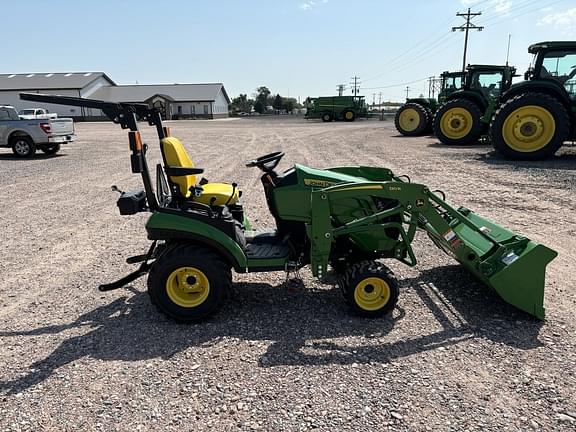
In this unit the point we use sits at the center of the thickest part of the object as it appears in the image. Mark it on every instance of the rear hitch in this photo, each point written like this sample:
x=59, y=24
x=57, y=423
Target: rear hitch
x=142, y=270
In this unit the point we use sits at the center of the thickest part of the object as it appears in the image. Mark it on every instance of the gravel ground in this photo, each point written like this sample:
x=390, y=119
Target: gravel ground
x=451, y=357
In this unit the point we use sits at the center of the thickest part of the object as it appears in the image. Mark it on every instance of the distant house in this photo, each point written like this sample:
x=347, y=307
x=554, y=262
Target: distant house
x=175, y=101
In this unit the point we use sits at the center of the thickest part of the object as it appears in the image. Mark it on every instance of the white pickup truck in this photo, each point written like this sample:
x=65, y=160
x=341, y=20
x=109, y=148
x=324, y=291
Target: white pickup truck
x=36, y=113
x=25, y=136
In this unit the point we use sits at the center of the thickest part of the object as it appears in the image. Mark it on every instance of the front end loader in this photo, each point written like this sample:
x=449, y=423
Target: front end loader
x=347, y=219
x=465, y=114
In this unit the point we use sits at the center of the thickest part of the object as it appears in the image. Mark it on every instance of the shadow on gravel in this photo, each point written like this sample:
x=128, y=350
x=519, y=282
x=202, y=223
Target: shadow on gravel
x=306, y=327
x=13, y=157
x=565, y=161
x=440, y=145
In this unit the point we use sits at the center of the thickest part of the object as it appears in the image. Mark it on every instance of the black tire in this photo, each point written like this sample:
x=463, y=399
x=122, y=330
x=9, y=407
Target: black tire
x=429, y=118
x=364, y=298
x=327, y=117
x=23, y=146
x=548, y=107
x=51, y=149
x=411, y=119
x=349, y=115
x=208, y=281
x=456, y=129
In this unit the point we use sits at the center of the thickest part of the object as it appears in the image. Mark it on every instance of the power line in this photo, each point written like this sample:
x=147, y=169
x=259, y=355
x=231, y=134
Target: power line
x=466, y=27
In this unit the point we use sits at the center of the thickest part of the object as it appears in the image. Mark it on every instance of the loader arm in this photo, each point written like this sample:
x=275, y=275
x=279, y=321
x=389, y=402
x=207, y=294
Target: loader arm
x=512, y=265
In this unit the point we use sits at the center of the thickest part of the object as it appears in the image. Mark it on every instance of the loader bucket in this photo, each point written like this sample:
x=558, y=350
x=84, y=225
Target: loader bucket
x=510, y=264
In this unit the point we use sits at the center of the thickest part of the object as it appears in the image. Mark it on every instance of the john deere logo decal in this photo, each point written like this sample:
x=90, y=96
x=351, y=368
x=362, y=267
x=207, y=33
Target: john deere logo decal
x=318, y=183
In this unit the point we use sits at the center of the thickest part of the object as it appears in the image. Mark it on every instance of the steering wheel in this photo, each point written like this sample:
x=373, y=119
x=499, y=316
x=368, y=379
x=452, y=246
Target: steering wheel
x=267, y=162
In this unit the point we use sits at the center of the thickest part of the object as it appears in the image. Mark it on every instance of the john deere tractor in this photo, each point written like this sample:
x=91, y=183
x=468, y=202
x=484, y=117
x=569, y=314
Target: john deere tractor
x=345, y=218
x=415, y=116
x=537, y=115
x=465, y=115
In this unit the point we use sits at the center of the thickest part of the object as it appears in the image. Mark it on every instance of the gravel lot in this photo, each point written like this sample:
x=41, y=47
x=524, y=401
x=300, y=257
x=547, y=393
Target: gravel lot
x=452, y=357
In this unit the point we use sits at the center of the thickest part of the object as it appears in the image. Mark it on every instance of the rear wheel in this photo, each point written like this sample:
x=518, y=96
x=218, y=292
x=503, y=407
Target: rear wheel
x=411, y=119
x=530, y=126
x=326, y=117
x=370, y=289
x=349, y=115
x=458, y=122
x=23, y=146
x=51, y=149
x=189, y=282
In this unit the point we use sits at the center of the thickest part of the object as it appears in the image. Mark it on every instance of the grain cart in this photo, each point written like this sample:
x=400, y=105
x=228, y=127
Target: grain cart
x=329, y=108
x=465, y=115
x=415, y=116
x=345, y=218
x=537, y=115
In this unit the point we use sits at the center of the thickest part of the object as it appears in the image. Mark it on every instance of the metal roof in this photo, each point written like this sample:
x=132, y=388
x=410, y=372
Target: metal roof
x=40, y=81
x=555, y=45
x=174, y=92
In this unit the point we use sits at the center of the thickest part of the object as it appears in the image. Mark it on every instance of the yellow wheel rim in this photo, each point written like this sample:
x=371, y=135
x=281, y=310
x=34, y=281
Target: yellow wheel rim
x=372, y=293
x=188, y=287
x=529, y=128
x=349, y=115
x=456, y=123
x=409, y=119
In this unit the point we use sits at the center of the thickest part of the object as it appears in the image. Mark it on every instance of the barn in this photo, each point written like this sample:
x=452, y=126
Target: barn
x=175, y=101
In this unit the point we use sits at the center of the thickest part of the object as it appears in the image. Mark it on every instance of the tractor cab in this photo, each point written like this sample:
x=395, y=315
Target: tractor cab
x=489, y=80
x=555, y=61
x=450, y=82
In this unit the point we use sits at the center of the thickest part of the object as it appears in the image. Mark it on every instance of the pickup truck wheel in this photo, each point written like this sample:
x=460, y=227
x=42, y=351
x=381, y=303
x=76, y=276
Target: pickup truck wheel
x=23, y=146
x=51, y=149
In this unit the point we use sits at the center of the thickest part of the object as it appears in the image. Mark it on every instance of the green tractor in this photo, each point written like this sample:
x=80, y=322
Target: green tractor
x=465, y=114
x=415, y=116
x=328, y=108
x=537, y=115
x=344, y=218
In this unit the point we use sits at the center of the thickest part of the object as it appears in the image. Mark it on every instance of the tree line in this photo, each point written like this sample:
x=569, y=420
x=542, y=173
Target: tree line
x=263, y=101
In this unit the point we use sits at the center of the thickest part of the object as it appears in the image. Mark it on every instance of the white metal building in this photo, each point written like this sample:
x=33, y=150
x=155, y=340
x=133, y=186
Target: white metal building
x=176, y=101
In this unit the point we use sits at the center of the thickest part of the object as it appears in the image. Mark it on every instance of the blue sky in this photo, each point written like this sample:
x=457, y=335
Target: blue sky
x=297, y=48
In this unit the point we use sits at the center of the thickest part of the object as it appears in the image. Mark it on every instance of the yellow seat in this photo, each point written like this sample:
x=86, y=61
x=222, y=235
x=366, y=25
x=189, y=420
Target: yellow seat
x=175, y=155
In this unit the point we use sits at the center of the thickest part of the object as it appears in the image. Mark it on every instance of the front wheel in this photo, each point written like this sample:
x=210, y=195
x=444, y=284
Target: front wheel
x=458, y=122
x=349, y=115
x=189, y=282
x=370, y=289
x=411, y=119
x=23, y=146
x=530, y=126
x=51, y=149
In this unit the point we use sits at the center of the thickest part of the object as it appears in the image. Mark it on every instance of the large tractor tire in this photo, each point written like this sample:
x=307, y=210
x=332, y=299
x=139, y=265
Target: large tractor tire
x=187, y=283
x=369, y=288
x=458, y=122
x=530, y=126
x=411, y=119
x=349, y=115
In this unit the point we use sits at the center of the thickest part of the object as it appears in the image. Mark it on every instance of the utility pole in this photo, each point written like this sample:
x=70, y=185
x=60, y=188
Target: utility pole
x=465, y=27
x=431, y=86
x=340, y=88
x=355, y=83
x=373, y=99
x=407, y=91
x=380, y=100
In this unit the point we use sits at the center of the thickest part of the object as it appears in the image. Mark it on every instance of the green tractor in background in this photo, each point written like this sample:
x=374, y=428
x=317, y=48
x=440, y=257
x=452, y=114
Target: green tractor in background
x=465, y=114
x=415, y=116
x=329, y=108
x=537, y=115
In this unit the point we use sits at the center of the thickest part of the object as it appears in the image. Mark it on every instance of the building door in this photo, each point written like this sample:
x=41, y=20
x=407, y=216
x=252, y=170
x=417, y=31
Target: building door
x=206, y=110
